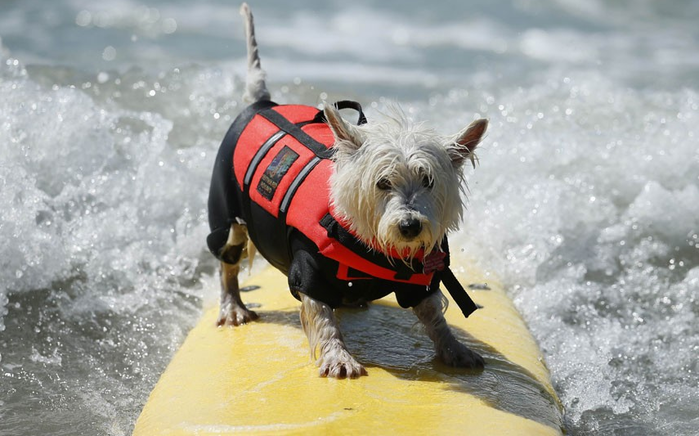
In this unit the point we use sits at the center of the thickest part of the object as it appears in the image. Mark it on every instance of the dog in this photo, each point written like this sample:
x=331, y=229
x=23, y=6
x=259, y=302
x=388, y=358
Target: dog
x=350, y=213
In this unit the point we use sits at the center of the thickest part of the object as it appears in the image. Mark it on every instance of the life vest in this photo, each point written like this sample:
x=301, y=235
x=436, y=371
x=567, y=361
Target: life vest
x=281, y=162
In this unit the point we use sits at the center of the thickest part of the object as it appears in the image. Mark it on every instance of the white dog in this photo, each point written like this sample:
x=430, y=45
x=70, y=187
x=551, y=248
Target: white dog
x=349, y=213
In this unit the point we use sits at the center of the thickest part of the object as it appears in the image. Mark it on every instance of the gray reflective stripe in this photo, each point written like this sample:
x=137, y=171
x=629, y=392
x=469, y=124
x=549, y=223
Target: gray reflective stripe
x=261, y=153
x=296, y=183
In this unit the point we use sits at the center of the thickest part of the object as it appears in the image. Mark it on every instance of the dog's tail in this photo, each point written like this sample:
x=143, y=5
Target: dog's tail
x=255, y=87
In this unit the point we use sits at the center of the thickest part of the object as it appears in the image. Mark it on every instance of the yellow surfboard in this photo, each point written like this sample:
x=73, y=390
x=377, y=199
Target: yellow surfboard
x=259, y=378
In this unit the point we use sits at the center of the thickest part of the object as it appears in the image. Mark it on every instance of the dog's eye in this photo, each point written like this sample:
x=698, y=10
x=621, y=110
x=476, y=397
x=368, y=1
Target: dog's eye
x=427, y=182
x=384, y=184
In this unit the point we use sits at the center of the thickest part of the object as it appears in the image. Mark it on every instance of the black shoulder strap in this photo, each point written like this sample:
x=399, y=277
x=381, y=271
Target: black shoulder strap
x=458, y=293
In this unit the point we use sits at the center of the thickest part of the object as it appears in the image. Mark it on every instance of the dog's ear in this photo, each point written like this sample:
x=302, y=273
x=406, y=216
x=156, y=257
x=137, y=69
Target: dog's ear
x=466, y=142
x=346, y=136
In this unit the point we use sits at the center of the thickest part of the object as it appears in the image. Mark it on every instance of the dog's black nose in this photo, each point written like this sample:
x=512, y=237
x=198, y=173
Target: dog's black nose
x=410, y=228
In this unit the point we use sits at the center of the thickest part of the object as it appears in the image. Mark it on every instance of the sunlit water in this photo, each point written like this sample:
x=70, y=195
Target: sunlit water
x=586, y=200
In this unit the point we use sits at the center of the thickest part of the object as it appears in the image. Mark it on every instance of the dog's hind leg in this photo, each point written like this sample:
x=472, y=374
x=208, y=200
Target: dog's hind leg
x=324, y=336
x=255, y=87
x=430, y=312
x=232, y=310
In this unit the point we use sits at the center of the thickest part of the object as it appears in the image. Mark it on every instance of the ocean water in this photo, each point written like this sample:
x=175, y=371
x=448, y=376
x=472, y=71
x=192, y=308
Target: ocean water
x=585, y=202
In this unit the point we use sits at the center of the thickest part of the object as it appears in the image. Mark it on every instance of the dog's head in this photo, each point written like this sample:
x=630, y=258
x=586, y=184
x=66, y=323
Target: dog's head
x=399, y=184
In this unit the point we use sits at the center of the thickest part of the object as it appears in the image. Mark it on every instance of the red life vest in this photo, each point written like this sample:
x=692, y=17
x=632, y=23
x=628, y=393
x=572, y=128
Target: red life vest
x=282, y=161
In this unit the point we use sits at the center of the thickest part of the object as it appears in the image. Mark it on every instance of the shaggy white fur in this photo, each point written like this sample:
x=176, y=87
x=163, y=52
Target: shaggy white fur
x=406, y=172
x=324, y=336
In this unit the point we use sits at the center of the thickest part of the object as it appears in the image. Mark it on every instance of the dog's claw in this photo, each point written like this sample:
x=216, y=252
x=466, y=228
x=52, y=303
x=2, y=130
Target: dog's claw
x=236, y=316
x=341, y=366
x=342, y=371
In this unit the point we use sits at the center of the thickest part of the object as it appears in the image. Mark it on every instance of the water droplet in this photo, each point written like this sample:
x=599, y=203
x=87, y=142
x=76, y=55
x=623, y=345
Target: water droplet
x=83, y=19
x=109, y=53
x=169, y=26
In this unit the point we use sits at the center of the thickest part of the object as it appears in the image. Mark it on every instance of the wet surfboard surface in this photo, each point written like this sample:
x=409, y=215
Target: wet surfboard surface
x=259, y=378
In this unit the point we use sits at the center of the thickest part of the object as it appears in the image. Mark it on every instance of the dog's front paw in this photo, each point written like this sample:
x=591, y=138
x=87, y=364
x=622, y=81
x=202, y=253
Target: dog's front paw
x=339, y=363
x=454, y=353
x=235, y=316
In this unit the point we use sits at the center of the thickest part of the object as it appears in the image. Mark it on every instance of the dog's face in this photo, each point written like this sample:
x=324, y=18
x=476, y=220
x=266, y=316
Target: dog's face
x=399, y=185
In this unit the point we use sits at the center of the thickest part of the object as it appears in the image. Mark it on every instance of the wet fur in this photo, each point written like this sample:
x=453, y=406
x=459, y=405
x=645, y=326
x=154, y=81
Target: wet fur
x=385, y=173
x=404, y=154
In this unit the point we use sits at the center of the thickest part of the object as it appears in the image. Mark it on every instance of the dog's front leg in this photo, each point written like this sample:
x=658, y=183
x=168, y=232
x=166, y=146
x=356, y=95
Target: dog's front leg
x=232, y=310
x=324, y=337
x=430, y=312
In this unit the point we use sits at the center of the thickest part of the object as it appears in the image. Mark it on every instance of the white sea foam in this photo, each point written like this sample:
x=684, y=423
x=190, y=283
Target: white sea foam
x=587, y=203
x=103, y=225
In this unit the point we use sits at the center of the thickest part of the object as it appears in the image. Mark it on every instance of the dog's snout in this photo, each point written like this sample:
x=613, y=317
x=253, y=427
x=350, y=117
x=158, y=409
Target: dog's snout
x=410, y=228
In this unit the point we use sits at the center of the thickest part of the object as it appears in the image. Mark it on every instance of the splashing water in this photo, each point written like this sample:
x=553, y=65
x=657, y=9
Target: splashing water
x=586, y=201
x=592, y=219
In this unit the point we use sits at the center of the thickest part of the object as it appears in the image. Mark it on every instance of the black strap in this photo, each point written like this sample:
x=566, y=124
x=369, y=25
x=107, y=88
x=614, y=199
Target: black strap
x=292, y=129
x=344, y=104
x=458, y=293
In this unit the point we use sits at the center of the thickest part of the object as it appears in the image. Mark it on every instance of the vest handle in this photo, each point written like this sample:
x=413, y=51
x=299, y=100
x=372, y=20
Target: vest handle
x=343, y=104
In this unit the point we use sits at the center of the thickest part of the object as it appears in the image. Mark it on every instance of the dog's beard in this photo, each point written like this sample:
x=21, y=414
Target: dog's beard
x=376, y=222
x=389, y=239
x=375, y=219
